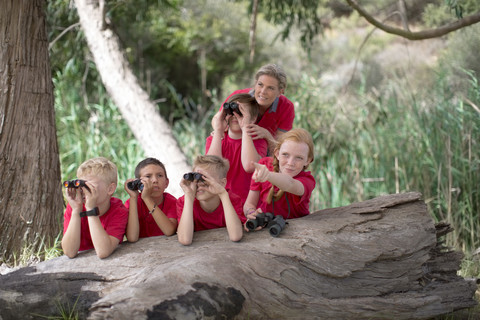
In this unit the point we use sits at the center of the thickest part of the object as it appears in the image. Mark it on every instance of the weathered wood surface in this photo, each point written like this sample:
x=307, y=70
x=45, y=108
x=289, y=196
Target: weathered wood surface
x=377, y=259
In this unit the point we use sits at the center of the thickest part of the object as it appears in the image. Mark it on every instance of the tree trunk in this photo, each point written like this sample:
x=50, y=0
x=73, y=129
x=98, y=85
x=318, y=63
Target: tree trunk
x=150, y=129
x=378, y=259
x=30, y=192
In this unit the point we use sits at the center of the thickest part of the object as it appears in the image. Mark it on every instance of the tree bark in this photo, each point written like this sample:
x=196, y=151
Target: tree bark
x=150, y=129
x=30, y=193
x=377, y=259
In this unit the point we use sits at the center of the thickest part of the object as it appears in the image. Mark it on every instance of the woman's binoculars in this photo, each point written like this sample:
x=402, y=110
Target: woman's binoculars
x=275, y=224
x=193, y=176
x=76, y=183
x=135, y=185
x=231, y=107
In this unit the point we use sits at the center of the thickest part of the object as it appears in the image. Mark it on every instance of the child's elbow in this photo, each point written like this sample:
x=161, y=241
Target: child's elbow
x=71, y=255
x=132, y=239
x=103, y=255
x=236, y=237
x=185, y=242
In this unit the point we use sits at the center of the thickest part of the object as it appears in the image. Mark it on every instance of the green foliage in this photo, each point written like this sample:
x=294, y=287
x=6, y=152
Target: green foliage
x=91, y=131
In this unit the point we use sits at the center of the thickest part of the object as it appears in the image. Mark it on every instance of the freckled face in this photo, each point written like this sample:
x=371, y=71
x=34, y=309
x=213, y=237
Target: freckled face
x=292, y=157
x=266, y=90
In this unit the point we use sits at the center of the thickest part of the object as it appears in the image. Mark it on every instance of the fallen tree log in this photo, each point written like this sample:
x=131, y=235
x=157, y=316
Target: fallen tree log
x=377, y=259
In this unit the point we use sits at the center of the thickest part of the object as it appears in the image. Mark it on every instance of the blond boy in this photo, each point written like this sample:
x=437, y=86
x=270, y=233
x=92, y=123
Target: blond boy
x=207, y=204
x=93, y=218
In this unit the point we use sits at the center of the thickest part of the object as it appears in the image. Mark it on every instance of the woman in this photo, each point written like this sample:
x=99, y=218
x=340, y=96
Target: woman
x=276, y=112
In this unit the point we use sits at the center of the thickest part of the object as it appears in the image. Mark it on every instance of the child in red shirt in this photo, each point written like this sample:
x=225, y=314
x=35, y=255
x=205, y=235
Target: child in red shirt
x=236, y=145
x=152, y=211
x=281, y=185
x=206, y=203
x=93, y=218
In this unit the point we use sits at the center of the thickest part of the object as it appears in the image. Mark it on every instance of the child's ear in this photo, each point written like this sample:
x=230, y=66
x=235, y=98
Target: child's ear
x=276, y=153
x=224, y=182
x=111, y=189
x=166, y=185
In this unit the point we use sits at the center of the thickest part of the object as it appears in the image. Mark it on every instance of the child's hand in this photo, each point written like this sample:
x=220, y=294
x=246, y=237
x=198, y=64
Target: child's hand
x=212, y=186
x=74, y=198
x=131, y=193
x=220, y=120
x=189, y=187
x=244, y=119
x=91, y=195
x=147, y=189
x=261, y=173
x=251, y=216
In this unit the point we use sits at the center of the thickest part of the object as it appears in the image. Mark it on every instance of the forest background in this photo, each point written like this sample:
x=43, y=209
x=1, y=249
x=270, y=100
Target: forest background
x=387, y=114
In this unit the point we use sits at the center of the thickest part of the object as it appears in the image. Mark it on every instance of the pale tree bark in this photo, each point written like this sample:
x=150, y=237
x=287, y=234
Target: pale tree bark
x=140, y=113
x=30, y=192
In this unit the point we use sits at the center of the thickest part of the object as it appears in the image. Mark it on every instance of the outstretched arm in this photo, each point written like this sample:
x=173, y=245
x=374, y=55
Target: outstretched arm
x=280, y=180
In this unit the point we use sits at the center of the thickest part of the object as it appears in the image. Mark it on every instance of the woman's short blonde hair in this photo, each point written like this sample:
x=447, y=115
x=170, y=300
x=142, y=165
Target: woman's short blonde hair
x=275, y=71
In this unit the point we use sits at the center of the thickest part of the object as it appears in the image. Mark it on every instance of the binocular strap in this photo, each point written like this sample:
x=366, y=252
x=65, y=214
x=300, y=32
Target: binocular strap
x=288, y=206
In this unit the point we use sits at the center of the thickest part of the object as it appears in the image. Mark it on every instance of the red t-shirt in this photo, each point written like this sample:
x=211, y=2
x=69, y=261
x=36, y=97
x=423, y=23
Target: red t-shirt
x=298, y=204
x=279, y=116
x=114, y=221
x=148, y=225
x=238, y=180
x=211, y=220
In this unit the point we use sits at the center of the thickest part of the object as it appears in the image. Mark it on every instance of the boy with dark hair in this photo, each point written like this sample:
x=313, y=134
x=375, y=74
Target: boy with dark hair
x=93, y=218
x=151, y=210
x=236, y=145
x=206, y=203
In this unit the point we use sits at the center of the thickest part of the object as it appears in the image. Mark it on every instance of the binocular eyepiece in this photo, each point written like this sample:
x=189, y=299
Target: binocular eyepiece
x=275, y=224
x=231, y=107
x=135, y=185
x=75, y=183
x=190, y=176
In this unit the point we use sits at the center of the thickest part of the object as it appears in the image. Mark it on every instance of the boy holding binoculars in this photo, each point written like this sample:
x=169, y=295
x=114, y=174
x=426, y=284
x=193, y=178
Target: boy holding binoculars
x=93, y=218
x=152, y=211
x=206, y=203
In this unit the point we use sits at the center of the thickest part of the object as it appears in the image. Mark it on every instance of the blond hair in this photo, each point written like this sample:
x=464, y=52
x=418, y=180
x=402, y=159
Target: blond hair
x=274, y=71
x=298, y=135
x=101, y=167
x=213, y=163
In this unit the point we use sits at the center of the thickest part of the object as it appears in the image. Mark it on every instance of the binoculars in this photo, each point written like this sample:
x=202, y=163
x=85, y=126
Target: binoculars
x=275, y=224
x=190, y=176
x=231, y=107
x=135, y=185
x=76, y=183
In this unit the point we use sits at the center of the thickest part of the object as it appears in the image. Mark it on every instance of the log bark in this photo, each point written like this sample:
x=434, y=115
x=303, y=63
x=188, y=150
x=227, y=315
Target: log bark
x=378, y=259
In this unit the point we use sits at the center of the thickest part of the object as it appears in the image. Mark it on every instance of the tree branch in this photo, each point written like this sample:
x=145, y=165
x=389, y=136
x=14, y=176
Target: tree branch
x=420, y=35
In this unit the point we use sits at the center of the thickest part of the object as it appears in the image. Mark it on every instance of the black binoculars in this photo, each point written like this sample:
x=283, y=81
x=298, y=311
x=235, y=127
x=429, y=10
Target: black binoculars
x=275, y=224
x=76, y=183
x=190, y=176
x=135, y=185
x=231, y=107
x=262, y=219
